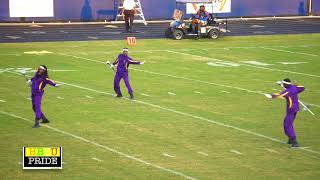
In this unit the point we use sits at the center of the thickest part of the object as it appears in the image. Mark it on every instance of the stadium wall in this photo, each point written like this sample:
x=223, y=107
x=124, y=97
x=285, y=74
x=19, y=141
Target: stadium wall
x=91, y=10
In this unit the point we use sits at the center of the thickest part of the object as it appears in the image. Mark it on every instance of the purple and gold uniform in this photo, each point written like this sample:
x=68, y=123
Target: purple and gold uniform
x=291, y=95
x=38, y=83
x=123, y=62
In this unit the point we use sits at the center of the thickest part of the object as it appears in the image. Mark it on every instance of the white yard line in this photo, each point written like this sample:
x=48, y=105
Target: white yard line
x=3, y=101
x=235, y=152
x=249, y=65
x=58, y=97
x=197, y=92
x=89, y=97
x=143, y=94
x=202, y=153
x=171, y=93
x=226, y=92
x=96, y=159
x=315, y=105
x=104, y=147
x=272, y=150
x=292, y=52
x=184, y=78
x=167, y=155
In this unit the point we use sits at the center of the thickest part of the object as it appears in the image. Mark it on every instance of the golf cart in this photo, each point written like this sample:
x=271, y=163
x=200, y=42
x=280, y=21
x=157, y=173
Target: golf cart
x=180, y=29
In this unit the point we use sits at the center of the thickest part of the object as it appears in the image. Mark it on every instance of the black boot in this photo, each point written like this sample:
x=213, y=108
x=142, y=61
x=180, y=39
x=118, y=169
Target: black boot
x=289, y=141
x=45, y=120
x=294, y=144
x=119, y=95
x=131, y=96
x=36, y=123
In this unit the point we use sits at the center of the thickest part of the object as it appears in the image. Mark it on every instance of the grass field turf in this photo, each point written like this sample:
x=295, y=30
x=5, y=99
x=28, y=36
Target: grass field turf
x=185, y=126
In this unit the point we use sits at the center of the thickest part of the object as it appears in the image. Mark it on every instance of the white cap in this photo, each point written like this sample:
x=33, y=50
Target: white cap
x=285, y=82
x=125, y=49
x=43, y=68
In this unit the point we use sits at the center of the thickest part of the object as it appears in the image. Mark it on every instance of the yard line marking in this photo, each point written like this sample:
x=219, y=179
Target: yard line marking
x=104, y=147
x=315, y=105
x=2, y=101
x=29, y=98
x=171, y=93
x=202, y=153
x=272, y=150
x=226, y=92
x=236, y=152
x=89, y=97
x=257, y=63
x=249, y=65
x=167, y=155
x=197, y=92
x=58, y=97
x=292, y=52
x=143, y=94
x=96, y=159
x=292, y=63
x=185, y=78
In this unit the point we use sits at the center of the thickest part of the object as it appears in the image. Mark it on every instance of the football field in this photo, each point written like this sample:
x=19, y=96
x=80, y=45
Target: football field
x=199, y=111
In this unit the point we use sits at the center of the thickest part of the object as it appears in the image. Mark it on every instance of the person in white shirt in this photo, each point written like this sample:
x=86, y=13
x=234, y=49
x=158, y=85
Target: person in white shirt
x=128, y=13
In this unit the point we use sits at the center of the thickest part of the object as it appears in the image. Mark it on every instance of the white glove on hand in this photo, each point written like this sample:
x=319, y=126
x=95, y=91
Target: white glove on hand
x=279, y=82
x=29, y=82
x=111, y=66
x=57, y=85
x=268, y=95
x=142, y=62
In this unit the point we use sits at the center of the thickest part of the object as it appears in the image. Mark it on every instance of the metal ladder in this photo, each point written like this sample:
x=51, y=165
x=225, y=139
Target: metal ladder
x=139, y=17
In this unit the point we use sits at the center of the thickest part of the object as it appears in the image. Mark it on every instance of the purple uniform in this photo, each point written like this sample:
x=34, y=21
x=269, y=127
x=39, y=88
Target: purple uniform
x=37, y=86
x=291, y=96
x=123, y=62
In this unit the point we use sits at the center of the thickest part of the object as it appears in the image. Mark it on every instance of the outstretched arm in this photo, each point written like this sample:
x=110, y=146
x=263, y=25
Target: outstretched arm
x=131, y=61
x=300, y=89
x=51, y=82
x=280, y=95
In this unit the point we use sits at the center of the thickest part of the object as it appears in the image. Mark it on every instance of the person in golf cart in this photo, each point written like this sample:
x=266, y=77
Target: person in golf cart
x=178, y=19
x=200, y=19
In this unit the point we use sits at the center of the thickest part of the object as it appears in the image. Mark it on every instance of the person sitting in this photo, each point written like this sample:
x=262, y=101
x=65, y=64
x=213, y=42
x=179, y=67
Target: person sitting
x=178, y=19
x=200, y=19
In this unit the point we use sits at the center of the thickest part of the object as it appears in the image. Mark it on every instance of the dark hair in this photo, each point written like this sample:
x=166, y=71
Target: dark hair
x=287, y=80
x=46, y=71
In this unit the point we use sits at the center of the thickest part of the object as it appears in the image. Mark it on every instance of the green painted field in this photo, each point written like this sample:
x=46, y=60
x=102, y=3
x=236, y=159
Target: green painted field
x=198, y=112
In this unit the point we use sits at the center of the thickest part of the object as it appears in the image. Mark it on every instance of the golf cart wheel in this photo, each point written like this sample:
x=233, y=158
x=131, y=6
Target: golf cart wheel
x=214, y=34
x=177, y=34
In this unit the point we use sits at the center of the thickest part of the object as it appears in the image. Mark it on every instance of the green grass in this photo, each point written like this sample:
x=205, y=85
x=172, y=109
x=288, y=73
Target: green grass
x=180, y=125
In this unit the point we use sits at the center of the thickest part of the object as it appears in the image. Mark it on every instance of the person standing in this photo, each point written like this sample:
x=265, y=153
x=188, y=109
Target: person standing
x=291, y=95
x=123, y=62
x=128, y=12
x=38, y=83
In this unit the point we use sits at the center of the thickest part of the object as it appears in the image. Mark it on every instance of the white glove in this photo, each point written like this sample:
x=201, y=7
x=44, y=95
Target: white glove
x=57, y=85
x=111, y=66
x=279, y=82
x=268, y=95
x=142, y=62
x=29, y=82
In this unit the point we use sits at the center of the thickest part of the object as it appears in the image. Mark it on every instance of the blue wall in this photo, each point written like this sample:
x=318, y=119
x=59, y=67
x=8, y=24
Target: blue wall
x=163, y=9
